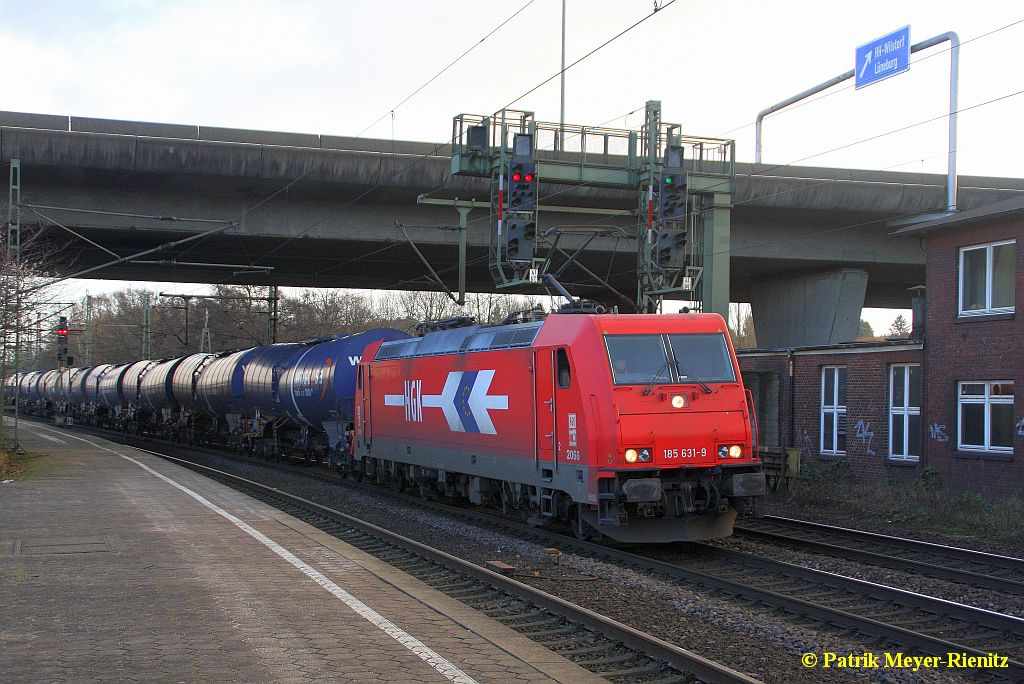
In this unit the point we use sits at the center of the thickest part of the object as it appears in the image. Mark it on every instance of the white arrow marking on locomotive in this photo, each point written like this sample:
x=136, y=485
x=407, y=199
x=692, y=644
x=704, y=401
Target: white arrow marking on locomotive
x=446, y=401
x=480, y=401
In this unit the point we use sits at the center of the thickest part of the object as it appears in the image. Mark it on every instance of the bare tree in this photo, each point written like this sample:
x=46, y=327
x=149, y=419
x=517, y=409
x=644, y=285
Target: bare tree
x=28, y=313
x=741, y=326
x=320, y=313
x=491, y=307
x=240, y=319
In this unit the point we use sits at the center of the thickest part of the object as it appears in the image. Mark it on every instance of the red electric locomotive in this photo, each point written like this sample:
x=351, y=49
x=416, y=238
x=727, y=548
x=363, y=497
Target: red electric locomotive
x=637, y=427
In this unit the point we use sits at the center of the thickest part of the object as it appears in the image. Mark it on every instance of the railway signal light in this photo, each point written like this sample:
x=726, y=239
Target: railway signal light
x=519, y=236
x=671, y=243
x=672, y=196
x=522, y=186
x=672, y=187
x=62, y=340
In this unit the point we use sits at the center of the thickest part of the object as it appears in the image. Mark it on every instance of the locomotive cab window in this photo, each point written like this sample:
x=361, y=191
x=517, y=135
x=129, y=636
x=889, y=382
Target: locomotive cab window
x=637, y=359
x=564, y=374
x=704, y=357
x=675, y=358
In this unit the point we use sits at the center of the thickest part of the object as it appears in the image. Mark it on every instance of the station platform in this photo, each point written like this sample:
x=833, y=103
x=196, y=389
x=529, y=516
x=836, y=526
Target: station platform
x=118, y=565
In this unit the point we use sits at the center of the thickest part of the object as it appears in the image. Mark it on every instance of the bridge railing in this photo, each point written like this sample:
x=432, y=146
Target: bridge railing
x=575, y=153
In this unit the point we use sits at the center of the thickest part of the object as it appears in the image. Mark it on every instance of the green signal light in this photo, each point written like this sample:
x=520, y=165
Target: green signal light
x=669, y=180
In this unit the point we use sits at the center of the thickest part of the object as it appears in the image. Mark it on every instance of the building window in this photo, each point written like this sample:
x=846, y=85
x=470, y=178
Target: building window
x=986, y=278
x=905, y=412
x=985, y=416
x=833, y=410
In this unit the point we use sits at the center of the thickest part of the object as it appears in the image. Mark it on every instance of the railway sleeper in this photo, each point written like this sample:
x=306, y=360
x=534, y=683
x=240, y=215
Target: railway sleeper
x=556, y=631
x=590, y=650
x=605, y=660
x=543, y=622
x=644, y=671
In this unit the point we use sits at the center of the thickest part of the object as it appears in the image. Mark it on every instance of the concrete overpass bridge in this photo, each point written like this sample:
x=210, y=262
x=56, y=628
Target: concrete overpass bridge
x=809, y=246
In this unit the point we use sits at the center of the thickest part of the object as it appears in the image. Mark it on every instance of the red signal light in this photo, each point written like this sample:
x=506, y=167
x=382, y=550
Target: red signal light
x=517, y=176
x=529, y=178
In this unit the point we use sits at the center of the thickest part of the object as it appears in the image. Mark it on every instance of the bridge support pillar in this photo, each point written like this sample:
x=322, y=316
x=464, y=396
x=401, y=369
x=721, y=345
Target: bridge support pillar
x=816, y=309
x=717, y=210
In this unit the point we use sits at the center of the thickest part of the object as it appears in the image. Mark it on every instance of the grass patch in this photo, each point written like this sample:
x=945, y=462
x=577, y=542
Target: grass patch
x=923, y=503
x=13, y=463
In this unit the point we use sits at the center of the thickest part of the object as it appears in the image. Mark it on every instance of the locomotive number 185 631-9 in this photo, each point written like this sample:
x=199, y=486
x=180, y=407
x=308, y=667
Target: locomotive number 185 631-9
x=685, y=453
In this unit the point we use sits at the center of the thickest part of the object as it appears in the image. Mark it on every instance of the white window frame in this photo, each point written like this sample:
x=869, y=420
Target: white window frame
x=987, y=401
x=988, y=281
x=833, y=408
x=900, y=372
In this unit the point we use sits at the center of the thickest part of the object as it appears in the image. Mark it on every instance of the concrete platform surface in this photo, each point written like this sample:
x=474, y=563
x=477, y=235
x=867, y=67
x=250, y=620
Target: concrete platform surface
x=118, y=565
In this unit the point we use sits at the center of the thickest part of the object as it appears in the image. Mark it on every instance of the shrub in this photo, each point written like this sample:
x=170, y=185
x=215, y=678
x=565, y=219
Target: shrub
x=924, y=503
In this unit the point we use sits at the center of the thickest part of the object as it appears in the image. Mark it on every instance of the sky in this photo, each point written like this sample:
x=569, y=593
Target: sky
x=346, y=68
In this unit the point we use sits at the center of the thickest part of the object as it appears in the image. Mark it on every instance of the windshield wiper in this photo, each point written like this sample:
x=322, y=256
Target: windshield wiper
x=685, y=372
x=647, y=390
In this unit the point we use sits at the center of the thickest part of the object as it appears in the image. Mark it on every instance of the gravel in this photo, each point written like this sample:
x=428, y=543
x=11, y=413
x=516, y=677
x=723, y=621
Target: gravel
x=918, y=528
x=988, y=599
x=746, y=638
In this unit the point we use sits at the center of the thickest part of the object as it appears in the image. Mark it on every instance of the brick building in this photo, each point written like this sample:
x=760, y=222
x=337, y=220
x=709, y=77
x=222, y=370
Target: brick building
x=974, y=356
x=945, y=399
x=846, y=402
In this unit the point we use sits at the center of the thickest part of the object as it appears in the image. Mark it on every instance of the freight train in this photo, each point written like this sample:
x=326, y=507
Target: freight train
x=635, y=427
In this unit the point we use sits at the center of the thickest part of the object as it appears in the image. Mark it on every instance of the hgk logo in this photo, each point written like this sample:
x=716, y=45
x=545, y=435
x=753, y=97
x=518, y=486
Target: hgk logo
x=464, y=401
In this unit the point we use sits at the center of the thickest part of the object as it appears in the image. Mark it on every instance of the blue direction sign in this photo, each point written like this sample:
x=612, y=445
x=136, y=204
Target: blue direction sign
x=882, y=58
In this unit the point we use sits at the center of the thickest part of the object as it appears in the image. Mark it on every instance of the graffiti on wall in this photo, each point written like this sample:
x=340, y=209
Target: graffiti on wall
x=866, y=436
x=938, y=432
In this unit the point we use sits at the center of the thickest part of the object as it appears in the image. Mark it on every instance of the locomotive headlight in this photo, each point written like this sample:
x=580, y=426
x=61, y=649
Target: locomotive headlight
x=631, y=455
x=723, y=451
x=735, y=451
x=645, y=455
x=678, y=401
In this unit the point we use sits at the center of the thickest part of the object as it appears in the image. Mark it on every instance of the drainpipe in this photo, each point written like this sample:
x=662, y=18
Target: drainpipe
x=792, y=398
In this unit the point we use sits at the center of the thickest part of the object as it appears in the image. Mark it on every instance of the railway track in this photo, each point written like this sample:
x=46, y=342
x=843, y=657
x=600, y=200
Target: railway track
x=611, y=649
x=973, y=568
x=883, y=616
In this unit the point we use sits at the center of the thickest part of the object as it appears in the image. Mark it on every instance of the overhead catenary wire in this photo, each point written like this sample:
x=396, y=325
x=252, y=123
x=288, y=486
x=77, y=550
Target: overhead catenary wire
x=591, y=53
x=762, y=172
x=836, y=91
x=752, y=174
x=382, y=181
x=446, y=68
x=390, y=112
x=420, y=158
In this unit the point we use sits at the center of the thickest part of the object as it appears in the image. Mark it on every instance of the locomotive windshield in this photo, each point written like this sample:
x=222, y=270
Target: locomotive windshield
x=645, y=359
x=704, y=356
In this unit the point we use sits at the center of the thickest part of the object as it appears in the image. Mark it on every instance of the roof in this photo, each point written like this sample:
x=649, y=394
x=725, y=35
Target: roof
x=1004, y=209
x=882, y=344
